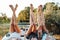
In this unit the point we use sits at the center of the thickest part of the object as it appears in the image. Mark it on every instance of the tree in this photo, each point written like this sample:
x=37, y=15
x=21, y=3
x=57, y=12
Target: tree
x=52, y=16
x=4, y=18
x=24, y=15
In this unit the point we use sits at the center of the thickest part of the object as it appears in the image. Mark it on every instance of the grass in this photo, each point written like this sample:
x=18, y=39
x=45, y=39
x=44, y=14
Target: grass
x=3, y=31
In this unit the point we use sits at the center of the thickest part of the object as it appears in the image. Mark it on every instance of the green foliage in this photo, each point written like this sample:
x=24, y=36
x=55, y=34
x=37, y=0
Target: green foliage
x=24, y=15
x=52, y=16
x=4, y=19
x=3, y=30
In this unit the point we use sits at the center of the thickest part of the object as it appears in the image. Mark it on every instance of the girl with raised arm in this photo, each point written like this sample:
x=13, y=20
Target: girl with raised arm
x=41, y=22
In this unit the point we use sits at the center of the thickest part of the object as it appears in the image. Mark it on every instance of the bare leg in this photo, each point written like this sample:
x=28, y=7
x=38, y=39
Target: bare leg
x=11, y=29
x=44, y=28
x=39, y=16
x=32, y=24
x=41, y=21
x=14, y=26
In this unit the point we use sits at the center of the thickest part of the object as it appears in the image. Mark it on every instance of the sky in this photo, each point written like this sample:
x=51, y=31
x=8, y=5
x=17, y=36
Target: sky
x=4, y=5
